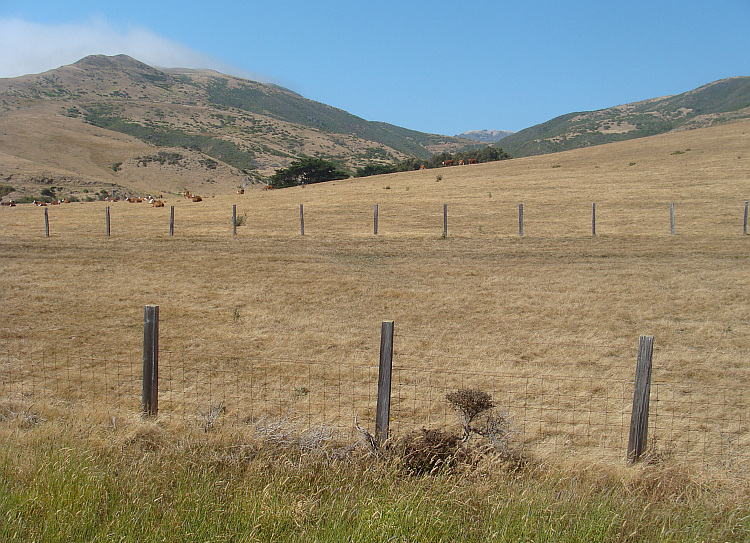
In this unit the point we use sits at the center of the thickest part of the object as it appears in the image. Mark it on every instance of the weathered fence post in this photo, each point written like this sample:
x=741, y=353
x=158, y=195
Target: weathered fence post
x=445, y=220
x=520, y=220
x=375, y=221
x=171, y=221
x=46, y=222
x=383, y=413
x=106, y=214
x=234, y=219
x=593, y=219
x=639, y=416
x=301, y=221
x=671, y=217
x=151, y=360
x=744, y=222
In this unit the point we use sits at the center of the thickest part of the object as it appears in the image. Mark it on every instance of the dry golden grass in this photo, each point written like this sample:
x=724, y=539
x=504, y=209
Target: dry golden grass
x=549, y=323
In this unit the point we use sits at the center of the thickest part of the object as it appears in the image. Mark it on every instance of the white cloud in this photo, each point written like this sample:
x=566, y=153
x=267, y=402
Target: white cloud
x=28, y=48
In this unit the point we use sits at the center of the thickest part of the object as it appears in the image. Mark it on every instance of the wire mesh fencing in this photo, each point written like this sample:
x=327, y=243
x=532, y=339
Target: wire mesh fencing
x=547, y=413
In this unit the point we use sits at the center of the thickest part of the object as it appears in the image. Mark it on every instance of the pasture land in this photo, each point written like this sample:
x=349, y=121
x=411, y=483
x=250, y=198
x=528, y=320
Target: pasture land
x=522, y=317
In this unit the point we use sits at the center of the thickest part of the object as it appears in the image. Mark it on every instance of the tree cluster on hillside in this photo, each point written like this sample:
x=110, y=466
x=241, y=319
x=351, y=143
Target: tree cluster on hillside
x=306, y=171
x=488, y=154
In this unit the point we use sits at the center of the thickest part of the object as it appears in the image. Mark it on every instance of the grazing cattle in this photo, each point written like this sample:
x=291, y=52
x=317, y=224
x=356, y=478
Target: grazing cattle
x=240, y=191
x=472, y=161
x=157, y=203
x=423, y=167
x=197, y=198
x=268, y=187
x=448, y=163
x=461, y=162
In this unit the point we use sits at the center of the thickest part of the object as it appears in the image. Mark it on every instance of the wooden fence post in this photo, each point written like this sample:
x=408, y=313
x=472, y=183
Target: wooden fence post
x=383, y=413
x=301, y=221
x=375, y=221
x=671, y=217
x=106, y=214
x=744, y=222
x=151, y=360
x=520, y=220
x=593, y=219
x=46, y=222
x=171, y=221
x=445, y=220
x=234, y=219
x=639, y=416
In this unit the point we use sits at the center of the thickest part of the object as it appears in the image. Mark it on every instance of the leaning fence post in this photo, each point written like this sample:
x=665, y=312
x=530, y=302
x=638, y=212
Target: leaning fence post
x=151, y=360
x=383, y=412
x=639, y=416
x=234, y=219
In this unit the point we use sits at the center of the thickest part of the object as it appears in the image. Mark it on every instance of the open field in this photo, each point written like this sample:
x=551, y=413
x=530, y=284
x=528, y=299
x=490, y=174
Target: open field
x=548, y=322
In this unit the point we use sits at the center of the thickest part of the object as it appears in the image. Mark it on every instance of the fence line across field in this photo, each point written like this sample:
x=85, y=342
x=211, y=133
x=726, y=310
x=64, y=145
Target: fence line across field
x=376, y=219
x=548, y=412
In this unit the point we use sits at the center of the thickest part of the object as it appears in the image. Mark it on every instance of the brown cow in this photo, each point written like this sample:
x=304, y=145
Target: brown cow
x=240, y=191
x=197, y=198
x=448, y=163
x=158, y=203
x=461, y=162
x=472, y=161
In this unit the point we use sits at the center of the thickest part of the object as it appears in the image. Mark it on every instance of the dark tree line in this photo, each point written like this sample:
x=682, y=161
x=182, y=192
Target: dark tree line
x=488, y=154
x=317, y=170
x=306, y=171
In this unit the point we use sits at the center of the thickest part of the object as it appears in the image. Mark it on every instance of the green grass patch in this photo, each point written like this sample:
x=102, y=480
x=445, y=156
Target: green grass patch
x=151, y=488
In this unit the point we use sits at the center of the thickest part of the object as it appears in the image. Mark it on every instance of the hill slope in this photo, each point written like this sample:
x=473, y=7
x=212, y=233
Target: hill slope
x=715, y=103
x=113, y=120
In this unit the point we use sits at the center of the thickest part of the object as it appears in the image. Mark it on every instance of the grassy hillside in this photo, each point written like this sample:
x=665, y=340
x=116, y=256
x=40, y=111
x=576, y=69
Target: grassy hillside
x=250, y=128
x=715, y=103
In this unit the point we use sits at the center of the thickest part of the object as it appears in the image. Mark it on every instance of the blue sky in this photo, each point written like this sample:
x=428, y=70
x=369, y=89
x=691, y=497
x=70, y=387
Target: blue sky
x=437, y=66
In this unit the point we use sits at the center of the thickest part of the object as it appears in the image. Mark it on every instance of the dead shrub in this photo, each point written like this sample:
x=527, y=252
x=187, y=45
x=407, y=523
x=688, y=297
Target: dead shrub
x=427, y=451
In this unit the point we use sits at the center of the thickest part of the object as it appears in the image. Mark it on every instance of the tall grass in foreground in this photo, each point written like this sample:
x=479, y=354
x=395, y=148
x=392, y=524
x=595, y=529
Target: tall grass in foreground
x=152, y=485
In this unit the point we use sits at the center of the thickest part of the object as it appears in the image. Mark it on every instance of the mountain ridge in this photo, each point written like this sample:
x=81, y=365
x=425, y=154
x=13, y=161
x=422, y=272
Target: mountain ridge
x=228, y=130
x=717, y=102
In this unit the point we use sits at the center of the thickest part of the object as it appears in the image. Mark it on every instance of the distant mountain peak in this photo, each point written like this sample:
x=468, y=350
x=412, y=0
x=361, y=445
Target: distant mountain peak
x=487, y=136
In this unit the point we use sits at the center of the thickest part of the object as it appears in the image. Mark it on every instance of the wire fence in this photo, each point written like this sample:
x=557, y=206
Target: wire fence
x=550, y=413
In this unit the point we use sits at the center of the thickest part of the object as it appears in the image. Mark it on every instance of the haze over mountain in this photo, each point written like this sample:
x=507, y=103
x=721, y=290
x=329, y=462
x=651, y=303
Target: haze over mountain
x=487, y=136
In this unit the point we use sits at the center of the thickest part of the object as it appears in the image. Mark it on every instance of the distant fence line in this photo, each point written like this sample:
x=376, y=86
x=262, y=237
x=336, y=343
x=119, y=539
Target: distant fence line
x=616, y=418
x=234, y=222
